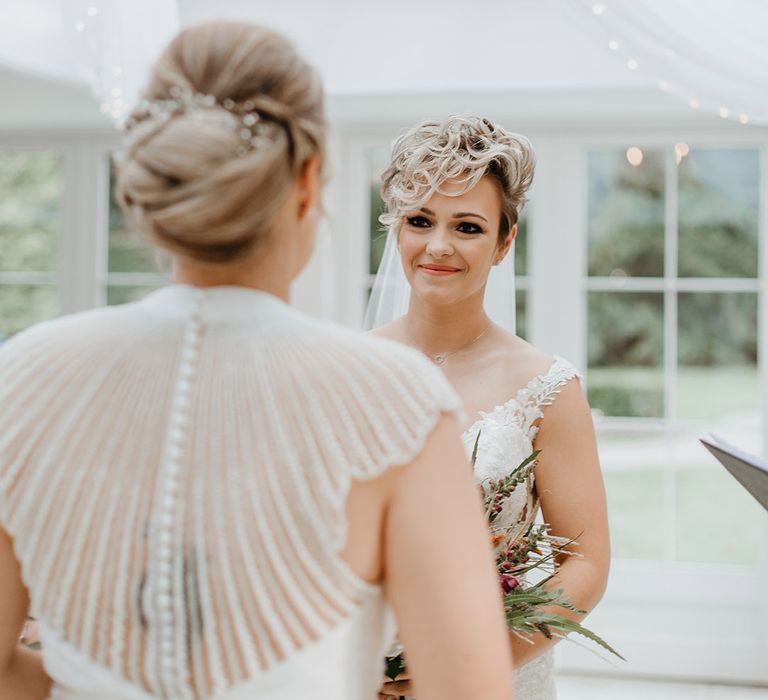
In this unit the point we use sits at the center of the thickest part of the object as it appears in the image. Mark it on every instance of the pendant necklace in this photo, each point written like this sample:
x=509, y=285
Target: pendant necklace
x=440, y=357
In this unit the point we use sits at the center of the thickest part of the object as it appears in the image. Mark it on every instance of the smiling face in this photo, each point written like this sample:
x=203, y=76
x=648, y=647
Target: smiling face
x=449, y=245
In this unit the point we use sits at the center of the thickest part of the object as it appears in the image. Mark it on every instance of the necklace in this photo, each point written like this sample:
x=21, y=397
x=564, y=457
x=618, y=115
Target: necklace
x=441, y=357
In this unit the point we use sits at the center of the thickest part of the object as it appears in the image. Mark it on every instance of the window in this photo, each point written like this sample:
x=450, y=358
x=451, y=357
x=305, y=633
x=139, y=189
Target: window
x=30, y=218
x=672, y=308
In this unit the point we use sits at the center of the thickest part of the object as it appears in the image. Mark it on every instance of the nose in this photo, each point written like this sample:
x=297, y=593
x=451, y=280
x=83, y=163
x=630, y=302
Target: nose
x=439, y=244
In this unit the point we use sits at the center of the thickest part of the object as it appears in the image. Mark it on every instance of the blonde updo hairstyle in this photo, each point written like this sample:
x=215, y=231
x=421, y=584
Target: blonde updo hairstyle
x=461, y=150
x=184, y=179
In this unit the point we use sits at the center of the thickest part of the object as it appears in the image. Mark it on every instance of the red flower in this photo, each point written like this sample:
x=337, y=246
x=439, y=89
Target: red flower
x=508, y=583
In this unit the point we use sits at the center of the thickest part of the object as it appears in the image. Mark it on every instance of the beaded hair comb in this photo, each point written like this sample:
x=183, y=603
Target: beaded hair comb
x=150, y=115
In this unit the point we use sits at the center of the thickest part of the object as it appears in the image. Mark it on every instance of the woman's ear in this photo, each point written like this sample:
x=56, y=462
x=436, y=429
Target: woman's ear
x=504, y=248
x=309, y=185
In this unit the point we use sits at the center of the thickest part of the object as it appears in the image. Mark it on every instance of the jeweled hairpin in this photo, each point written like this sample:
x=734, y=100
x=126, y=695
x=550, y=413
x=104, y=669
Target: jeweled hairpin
x=243, y=117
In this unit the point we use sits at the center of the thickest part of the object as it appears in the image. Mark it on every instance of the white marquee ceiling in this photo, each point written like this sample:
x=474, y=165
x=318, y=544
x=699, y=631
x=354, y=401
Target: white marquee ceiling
x=372, y=48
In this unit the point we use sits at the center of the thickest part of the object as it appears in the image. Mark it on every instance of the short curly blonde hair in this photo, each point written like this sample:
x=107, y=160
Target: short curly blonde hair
x=462, y=150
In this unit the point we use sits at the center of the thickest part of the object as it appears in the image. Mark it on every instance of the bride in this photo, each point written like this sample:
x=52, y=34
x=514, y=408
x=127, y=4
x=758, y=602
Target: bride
x=453, y=194
x=207, y=494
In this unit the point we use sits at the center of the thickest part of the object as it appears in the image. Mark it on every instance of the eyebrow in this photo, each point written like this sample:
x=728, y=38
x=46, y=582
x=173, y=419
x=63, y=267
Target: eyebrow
x=457, y=215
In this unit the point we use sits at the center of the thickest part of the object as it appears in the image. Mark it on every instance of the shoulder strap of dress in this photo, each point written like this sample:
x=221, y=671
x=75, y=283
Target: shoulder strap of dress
x=543, y=389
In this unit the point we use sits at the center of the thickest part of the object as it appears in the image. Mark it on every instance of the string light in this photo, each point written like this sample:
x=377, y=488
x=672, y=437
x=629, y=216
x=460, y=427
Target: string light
x=634, y=155
x=681, y=150
x=79, y=26
x=598, y=9
x=92, y=11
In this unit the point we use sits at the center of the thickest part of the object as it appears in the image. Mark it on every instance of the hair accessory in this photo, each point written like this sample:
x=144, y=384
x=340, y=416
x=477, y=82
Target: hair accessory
x=241, y=117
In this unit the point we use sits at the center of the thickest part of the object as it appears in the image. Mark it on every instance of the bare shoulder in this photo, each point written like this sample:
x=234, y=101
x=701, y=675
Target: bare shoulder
x=523, y=360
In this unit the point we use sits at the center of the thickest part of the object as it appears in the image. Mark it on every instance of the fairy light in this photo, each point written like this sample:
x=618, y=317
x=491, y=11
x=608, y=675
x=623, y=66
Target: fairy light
x=634, y=155
x=681, y=150
x=92, y=11
x=79, y=26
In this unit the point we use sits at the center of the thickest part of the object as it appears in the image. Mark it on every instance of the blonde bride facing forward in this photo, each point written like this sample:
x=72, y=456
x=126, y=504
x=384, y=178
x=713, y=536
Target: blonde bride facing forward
x=453, y=193
x=206, y=494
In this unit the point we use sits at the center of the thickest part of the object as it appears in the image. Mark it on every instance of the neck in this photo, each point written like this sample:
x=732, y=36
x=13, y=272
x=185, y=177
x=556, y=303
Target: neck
x=265, y=275
x=439, y=329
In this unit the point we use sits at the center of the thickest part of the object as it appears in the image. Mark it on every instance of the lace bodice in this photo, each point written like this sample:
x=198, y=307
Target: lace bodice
x=507, y=434
x=174, y=476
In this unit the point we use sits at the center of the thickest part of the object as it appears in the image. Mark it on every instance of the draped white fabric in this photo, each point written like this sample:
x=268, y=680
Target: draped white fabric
x=106, y=45
x=711, y=53
x=115, y=43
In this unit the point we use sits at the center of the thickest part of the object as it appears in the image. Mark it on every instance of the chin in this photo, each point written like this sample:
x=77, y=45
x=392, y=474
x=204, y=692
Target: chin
x=437, y=297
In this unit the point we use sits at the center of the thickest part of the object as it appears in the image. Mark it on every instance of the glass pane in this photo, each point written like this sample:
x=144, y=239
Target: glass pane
x=128, y=250
x=625, y=347
x=123, y=295
x=521, y=299
x=635, y=483
x=378, y=234
x=521, y=246
x=31, y=183
x=718, y=522
x=625, y=213
x=21, y=305
x=379, y=159
x=717, y=355
x=719, y=202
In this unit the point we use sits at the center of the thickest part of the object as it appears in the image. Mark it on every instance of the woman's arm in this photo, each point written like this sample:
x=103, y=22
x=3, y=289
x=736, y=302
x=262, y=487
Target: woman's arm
x=21, y=671
x=570, y=485
x=440, y=578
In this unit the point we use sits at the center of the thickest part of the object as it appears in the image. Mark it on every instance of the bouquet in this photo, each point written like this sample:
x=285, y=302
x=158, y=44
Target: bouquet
x=521, y=548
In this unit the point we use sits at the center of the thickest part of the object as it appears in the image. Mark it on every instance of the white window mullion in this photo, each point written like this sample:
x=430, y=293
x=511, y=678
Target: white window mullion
x=557, y=321
x=82, y=257
x=762, y=349
x=670, y=347
x=670, y=289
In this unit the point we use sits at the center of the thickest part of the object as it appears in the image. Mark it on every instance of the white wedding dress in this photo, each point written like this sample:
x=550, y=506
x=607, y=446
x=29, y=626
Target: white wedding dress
x=174, y=475
x=506, y=439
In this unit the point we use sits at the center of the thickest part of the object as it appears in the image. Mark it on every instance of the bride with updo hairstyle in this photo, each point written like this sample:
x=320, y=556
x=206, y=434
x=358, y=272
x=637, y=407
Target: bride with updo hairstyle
x=453, y=191
x=207, y=494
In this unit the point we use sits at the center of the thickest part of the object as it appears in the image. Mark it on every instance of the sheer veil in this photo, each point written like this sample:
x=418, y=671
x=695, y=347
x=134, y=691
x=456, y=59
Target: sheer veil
x=391, y=292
